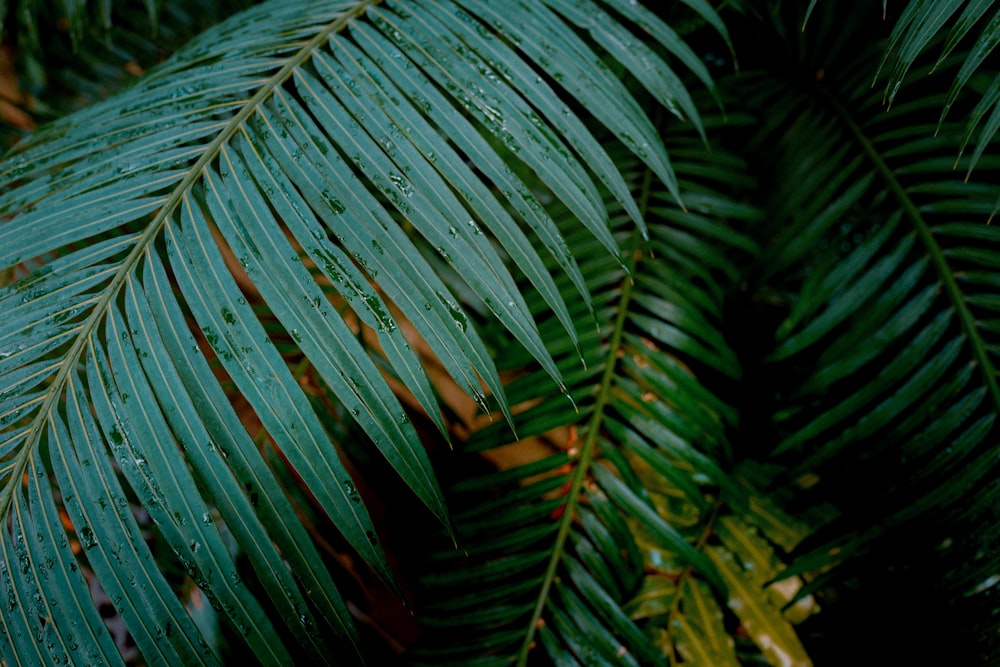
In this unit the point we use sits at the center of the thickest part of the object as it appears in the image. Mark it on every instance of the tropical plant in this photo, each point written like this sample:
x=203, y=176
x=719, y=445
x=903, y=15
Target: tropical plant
x=665, y=351
x=87, y=53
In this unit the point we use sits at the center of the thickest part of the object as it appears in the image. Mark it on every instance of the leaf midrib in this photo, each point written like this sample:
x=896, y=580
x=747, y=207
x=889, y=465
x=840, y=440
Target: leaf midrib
x=587, y=450
x=938, y=260
x=143, y=243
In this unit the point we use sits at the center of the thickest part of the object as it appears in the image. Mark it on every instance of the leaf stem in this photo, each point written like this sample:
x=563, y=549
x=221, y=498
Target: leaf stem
x=941, y=266
x=589, y=447
x=144, y=241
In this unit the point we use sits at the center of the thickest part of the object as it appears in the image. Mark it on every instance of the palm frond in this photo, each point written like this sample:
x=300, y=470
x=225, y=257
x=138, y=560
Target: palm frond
x=622, y=540
x=263, y=189
x=62, y=77
x=888, y=344
x=968, y=29
x=67, y=56
x=972, y=34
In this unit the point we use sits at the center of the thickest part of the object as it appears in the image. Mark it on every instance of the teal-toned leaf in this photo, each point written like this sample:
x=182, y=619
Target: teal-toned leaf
x=666, y=36
x=237, y=506
x=321, y=334
x=639, y=59
x=246, y=352
x=45, y=593
x=165, y=486
x=101, y=514
x=540, y=36
x=344, y=207
x=980, y=51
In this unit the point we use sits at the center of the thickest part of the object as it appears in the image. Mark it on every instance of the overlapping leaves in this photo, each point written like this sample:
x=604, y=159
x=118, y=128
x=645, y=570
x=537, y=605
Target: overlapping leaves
x=632, y=540
x=973, y=31
x=307, y=180
x=291, y=154
x=968, y=30
x=889, y=346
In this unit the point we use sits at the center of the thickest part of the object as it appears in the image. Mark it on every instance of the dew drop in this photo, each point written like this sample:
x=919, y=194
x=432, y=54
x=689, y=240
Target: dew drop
x=87, y=538
x=352, y=491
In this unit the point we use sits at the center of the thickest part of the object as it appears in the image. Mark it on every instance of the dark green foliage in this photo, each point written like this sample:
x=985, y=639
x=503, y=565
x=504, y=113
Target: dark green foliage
x=745, y=325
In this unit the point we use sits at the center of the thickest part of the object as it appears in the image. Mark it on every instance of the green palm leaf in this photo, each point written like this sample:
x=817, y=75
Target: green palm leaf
x=67, y=60
x=315, y=148
x=922, y=26
x=939, y=24
x=888, y=346
x=242, y=295
x=599, y=551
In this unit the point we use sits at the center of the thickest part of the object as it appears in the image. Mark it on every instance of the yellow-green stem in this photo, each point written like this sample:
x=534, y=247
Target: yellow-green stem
x=144, y=242
x=588, y=449
x=938, y=260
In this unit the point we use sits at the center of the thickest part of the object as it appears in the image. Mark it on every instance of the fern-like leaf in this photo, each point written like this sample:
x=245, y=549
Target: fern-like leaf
x=922, y=27
x=265, y=187
x=889, y=345
x=611, y=548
